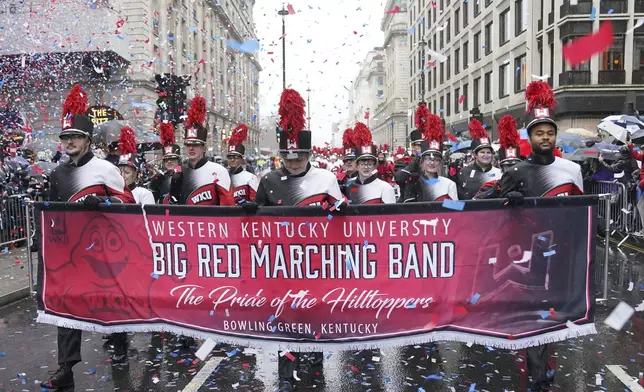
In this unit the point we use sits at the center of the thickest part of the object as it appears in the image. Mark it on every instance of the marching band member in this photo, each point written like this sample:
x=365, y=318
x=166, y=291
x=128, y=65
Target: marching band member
x=129, y=165
x=160, y=184
x=350, y=169
x=470, y=179
x=244, y=182
x=431, y=186
x=367, y=188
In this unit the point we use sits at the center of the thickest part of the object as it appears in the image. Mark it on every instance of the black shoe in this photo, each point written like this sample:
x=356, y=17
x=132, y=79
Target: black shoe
x=286, y=386
x=63, y=378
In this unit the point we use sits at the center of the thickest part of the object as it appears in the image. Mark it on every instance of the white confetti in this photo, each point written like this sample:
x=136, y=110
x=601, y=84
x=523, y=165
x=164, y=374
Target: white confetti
x=630, y=286
x=619, y=316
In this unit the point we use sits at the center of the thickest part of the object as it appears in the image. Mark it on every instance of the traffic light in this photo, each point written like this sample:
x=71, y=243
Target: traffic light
x=165, y=110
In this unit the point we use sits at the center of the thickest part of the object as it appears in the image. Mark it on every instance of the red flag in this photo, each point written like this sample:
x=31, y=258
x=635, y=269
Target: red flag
x=290, y=9
x=585, y=47
x=395, y=10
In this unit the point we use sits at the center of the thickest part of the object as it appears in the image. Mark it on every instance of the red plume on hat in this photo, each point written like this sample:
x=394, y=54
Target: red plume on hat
x=291, y=112
x=362, y=135
x=508, y=135
x=348, y=138
x=127, y=142
x=400, y=150
x=540, y=94
x=166, y=133
x=385, y=147
x=75, y=103
x=421, y=116
x=433, y=129
x=239, y=135
x=476, y=130
x=197, y=111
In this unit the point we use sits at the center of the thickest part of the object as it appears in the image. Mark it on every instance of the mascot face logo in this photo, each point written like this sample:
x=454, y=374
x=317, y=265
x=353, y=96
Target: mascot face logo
x=103, y=247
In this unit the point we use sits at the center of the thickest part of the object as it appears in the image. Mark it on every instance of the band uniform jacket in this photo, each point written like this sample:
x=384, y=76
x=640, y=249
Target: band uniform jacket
x=72, y=182
x=560, y=177
x=372, y=191
x=313, y=187
x=206, y=184
x=470, y=179
x=244, y=185
x=160, y=186
x=430, y=189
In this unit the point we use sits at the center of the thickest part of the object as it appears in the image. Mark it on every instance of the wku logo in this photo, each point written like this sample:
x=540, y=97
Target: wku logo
x=511, y=153
x=67, y=123
x=434, y=145
x=240, y=193
x=541, y=112
x=201, y=197
x=168, y=150
x=366, y=149
x=192, y=133
x=348, y=151
x=291, y=144
x=485, y=140
x=231, y=148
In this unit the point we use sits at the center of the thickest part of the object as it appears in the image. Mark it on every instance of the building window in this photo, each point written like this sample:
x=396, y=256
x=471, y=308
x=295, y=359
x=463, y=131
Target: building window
x=466, y=6
x=457, y=98
x=448, y=30
x=448, y=99
x=429, y=80
x=435, y=84
x=613, y=58
x=457, y=21
x=504, y=21
x=440, y=35
x=466, y=55
x=442, y=104
x=488, y=38
x=477, y=8
x=465, y=97
x=477, y=45
x=503, y=80
x=457, y=61
x=442, y=71
x=411, y=68
x=520, y=12
x=488, y=2
x=488, y=87
x=638, y=52
x=449, y=67
x=381, y=80
x=476, y=93
x=520, y=76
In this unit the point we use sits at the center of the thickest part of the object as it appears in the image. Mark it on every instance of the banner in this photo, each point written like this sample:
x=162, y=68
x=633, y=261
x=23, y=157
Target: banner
x=295, y=278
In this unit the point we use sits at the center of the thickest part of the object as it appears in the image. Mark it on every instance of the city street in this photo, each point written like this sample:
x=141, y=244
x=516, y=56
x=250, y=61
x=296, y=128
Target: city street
x=157, y=363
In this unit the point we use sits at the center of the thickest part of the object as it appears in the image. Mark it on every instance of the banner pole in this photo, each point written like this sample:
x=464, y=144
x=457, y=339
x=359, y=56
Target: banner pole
x=606, y=247
x=28, y=206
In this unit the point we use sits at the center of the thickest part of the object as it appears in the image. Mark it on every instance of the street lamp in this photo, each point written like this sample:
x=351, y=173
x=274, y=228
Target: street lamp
x=308, y=105
x=422, y=45
x=283, y=12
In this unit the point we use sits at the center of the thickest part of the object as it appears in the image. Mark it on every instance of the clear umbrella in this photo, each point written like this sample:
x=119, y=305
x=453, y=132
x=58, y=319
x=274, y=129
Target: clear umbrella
x=109, y=132
x=42, y=144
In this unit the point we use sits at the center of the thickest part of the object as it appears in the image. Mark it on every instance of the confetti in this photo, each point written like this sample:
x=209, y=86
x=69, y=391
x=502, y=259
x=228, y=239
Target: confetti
x=619, y=316
x=475, y=298
x=453, y=205
x=582, y=49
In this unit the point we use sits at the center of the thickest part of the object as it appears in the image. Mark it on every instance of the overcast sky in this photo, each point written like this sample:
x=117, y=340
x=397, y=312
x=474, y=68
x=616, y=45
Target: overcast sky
x=325, y=41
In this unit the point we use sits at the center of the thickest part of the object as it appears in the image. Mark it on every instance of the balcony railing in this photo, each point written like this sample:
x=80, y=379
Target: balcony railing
x=612, y=77
x=638, y=76
x=573, y=78
x=582, y=8
x=618, y=6
x=639, y=5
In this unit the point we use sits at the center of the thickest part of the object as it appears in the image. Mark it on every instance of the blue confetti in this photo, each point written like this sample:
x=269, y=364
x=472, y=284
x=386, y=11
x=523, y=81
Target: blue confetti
x=475, y=298
x=366, y=242
x=388, y=379
x=544, y=314
x=411, y=30
x=610, y=11
x=283, y=223
x=5, y=250
x=174, y=355
x=411, y=305
x=542, y=238
x=549, y=253
x=212, y=313
x=92, y=371
x=271, y=319
x=155, y=276
x=433, y=377
x=329, y=217
x=472, y=388
x=592, y=13
x=108, y=202
x=232, y=353
x=3, y=354
x=453, y=205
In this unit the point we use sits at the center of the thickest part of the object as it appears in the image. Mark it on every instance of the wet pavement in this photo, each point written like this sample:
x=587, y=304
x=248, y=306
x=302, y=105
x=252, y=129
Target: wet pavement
x=157, y=362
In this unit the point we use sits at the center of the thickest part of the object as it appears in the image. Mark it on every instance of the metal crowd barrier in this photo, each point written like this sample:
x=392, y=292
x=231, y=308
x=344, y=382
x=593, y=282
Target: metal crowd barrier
x=13, y=219
x=624, y=215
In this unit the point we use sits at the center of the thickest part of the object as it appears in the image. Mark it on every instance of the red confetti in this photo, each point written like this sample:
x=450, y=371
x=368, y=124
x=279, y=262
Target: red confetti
x=584, y=48
x=290, y=9
x=460, y=310
x=461, y=99
x=355, y=369
x=395, y=10
x=552, y=312
x=289, y=356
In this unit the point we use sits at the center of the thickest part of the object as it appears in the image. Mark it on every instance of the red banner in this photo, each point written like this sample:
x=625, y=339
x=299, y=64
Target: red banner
x=375, y=276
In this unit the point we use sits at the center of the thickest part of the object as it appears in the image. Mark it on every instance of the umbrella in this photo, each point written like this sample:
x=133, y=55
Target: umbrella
x=581, y=132
x=626, y=120
x=44, y=167
x=42, y=144
x=109, y=132
x=615, y=130
x=464, y=145
x=609, y=151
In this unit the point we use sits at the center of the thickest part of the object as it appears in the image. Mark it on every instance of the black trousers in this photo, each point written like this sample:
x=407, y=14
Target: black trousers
x=69, y=345
x=538, y=367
